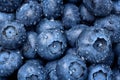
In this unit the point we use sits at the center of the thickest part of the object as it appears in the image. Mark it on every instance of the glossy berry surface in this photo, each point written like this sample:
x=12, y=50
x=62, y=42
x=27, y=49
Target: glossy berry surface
x=59, y=39
x=32, y=70
x=51, y=44
x=12, y=34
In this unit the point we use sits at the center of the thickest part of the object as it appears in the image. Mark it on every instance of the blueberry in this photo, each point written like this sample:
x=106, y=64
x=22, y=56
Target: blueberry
x=46, y=24
x=6, y=16
x=51, y=44
x=99, y=7
x=52, y=8
x=9, y=5
x=94, y=44
x=72, y=51
x=116, y=7
x=71, y=15
x=100, y=72
x=85, y=15
x=116, y=74
x=30, y=47
x=51, y=70
x=10, y=61
x=12, y=34
x=112, y=24
x=77, y=30
x=71, y=67
x=29, y=13
x=32, y=70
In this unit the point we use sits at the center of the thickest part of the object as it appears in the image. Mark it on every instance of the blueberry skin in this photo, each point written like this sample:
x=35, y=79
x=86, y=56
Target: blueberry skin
x=71, y=67
x=116, y=74
x=10, y=61
x=85, y=15
x=77, y=30
x=32, y=70
x=46, y=24
x=30, y=47
x=111, y=24
x=71, y=15
x=52, y=8
x=116, y=7
x=29, y=13
x=6, y=16
x=51, y=70
x=72, y=51
x=51, y=44
x=94, y=44
x=99, y=7
x=100, y=71
x=9, y=5
x=12, y=34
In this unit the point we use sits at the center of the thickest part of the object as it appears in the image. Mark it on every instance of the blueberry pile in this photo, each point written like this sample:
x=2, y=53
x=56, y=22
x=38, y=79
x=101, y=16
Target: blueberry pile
x=59, y=39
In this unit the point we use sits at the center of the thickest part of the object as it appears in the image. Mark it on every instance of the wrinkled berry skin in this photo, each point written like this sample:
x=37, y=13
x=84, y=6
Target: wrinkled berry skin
x=51, y=44
x=94, y=45
x=51, y=70
x=46, y=24
x=9, y=5
x=99, y=7
x=100, y=71
x=71, y=67
x=32, y=70
x=30, y=47
x=71, y=15
x=52, y=8
x=12, y=34
x=29, y=13
x=10, y=61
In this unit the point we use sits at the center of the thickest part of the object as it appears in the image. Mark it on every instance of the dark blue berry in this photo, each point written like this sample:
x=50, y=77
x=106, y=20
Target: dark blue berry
x=100, y=72
x=52, y=8
x=71, y=15
x=29, y=13
x=30, y=47
x=85, y=15
x=6, y=16
x=10, y=61
x=116, y=7
x=32, y=70
x=71, y=67
x=94, y=44
x=51, y=44
x=73, y=34
x=12, y=34
x=9, y=5
x=116, y=74
x=112, y=24
x=99, y=7
x=46, y=24
x=51, y=70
